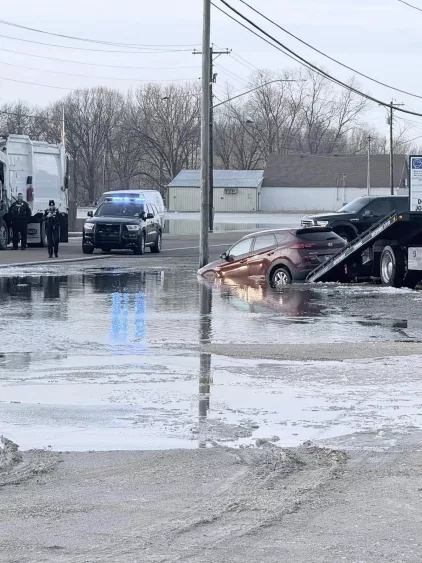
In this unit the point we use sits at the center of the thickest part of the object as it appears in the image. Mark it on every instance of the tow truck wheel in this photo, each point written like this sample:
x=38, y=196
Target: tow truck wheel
x=392, y=267
x=4, y=235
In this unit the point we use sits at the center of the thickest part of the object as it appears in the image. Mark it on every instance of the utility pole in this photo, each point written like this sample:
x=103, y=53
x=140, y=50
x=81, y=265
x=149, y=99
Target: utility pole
x=390, y=121
x=368, y=179
x=205, y=135
x=391, y=150
x=213, y=79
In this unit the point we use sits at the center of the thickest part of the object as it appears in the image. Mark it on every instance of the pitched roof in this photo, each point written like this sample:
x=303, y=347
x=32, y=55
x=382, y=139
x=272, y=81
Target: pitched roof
x=301, y=171
x=222, y=179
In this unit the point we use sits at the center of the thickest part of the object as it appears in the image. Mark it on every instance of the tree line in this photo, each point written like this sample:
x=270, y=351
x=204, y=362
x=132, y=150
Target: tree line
x=144, y=138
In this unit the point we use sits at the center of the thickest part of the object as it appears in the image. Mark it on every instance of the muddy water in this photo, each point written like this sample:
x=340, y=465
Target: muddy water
x=117, y=359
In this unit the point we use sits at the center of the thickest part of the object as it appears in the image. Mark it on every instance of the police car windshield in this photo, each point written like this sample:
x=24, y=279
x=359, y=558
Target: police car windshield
x=119, y=209
x=355, y=206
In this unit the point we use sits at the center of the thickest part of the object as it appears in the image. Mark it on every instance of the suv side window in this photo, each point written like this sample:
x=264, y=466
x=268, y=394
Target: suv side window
x=241, y=248
x=378, y=207
x=264, y=241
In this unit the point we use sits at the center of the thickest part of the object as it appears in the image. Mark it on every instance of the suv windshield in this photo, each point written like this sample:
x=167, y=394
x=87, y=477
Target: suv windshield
x=355, y=206
x=121, y=209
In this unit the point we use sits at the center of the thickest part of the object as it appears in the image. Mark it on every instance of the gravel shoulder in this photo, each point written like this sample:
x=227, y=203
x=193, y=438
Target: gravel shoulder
x=263, y=504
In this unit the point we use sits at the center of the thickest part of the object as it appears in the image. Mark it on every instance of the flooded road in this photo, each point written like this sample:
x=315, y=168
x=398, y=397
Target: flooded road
x=117, y=358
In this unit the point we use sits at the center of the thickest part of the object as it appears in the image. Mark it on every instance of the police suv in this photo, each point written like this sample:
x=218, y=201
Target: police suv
x=122, y=223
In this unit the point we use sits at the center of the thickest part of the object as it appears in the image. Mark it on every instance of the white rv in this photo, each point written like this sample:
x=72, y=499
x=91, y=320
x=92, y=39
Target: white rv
x=38, y=170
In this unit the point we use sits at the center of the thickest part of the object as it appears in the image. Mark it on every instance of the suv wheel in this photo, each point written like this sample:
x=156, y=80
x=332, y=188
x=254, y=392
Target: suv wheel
x=392, y=267
x=280, y=277
x=156, y=247
x=139, y=250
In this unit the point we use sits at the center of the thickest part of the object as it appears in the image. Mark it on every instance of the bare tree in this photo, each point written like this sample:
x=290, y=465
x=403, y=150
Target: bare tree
x=91, y=117
x=165, y=120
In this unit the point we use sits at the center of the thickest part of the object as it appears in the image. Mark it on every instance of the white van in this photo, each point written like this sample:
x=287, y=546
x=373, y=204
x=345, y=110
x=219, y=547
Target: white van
x=150, y=196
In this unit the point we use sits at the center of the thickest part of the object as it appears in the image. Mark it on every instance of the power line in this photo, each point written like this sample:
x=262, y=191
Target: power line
x=411, y=5
x=36, y=84
x=74, y=38
x=96, y=64
x=283, y=48
x=328, y=56
x=93, y=77
x=230, y=73
x=144, y=51
x=245, y=61
x=71, y=89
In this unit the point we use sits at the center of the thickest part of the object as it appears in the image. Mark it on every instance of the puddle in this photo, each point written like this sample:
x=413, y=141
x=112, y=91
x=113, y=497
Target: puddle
x=116, y=359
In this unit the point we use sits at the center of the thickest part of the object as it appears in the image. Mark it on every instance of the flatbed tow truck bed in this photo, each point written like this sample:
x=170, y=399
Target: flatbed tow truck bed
x=389, y=251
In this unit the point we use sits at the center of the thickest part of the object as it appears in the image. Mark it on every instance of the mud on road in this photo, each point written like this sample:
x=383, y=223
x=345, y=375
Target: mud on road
x=215, y=504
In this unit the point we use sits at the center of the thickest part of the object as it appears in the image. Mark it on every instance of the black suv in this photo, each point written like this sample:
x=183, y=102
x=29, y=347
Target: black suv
x=358, y=215
x=122, y=222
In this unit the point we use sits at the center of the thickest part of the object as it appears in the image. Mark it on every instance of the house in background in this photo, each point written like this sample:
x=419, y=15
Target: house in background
x=234, y=191
x=294, y=182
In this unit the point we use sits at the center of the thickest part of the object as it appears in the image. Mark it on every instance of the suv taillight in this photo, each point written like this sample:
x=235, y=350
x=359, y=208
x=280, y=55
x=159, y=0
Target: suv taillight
x=303, y=245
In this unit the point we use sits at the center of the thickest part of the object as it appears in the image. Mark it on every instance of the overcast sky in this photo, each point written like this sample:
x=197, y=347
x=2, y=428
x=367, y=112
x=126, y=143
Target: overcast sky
x=381, y=38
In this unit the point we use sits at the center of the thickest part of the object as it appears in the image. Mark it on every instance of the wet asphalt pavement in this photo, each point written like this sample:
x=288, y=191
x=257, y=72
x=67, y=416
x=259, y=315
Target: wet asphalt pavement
x=135, y=353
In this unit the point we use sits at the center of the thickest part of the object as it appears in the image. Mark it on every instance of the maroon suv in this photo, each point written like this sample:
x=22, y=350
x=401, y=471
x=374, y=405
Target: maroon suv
x=280, y=256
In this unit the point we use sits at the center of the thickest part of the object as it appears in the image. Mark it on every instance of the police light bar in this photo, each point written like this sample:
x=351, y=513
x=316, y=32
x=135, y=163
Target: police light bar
x=131, y=199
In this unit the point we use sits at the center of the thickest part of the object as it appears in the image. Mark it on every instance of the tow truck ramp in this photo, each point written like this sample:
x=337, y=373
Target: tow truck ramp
x=358, y=244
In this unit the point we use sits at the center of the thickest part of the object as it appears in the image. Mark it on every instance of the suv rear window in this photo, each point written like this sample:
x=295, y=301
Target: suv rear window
x=317, y=235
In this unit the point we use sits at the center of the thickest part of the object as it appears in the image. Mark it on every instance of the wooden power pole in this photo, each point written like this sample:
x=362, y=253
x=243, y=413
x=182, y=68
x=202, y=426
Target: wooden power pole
x=205, y=135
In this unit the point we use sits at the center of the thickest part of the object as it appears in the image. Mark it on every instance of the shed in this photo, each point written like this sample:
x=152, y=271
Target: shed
x=234, y=190
x=295, y=182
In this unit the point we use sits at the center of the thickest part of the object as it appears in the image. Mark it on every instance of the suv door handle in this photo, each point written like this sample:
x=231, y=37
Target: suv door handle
x=270, y=253
x=243, y=261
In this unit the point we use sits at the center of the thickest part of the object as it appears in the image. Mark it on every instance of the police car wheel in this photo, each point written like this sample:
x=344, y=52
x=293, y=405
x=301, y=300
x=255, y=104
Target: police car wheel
x=156, y=248
x=140, y=248
x=86, y=249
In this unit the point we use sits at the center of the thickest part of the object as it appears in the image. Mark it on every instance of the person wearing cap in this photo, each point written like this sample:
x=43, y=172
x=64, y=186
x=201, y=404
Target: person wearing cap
x=20, y=212
x=52, y=227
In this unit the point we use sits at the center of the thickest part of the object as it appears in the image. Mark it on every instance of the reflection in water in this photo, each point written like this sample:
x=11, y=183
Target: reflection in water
x=51, y=285
x=257, y=297
x=205, y=307
x=119, y=318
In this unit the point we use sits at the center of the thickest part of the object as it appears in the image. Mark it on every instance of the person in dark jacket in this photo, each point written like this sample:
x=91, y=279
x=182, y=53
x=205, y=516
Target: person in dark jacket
x=20, y=212
x=52, y=227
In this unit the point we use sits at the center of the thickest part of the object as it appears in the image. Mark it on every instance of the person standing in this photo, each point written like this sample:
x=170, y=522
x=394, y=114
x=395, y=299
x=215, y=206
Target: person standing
x=52, y=226
x=20, y=212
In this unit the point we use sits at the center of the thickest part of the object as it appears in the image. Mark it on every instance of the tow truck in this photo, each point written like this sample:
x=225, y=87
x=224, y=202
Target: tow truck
x=390, y=251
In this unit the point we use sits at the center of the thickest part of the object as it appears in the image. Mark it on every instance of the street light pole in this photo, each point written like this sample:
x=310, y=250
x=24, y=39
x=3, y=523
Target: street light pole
x=205, y=134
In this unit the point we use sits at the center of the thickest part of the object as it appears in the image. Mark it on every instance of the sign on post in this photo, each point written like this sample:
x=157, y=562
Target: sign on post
x=415, y=185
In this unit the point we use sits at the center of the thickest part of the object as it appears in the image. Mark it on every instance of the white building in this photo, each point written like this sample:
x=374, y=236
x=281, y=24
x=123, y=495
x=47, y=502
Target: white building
x=234, y=191
x=297, y=183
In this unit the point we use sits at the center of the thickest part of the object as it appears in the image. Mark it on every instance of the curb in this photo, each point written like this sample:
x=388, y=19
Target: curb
x=59, y=261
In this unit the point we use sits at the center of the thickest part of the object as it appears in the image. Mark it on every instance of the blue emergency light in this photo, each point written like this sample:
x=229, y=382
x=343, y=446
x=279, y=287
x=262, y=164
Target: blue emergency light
x=126, y=199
